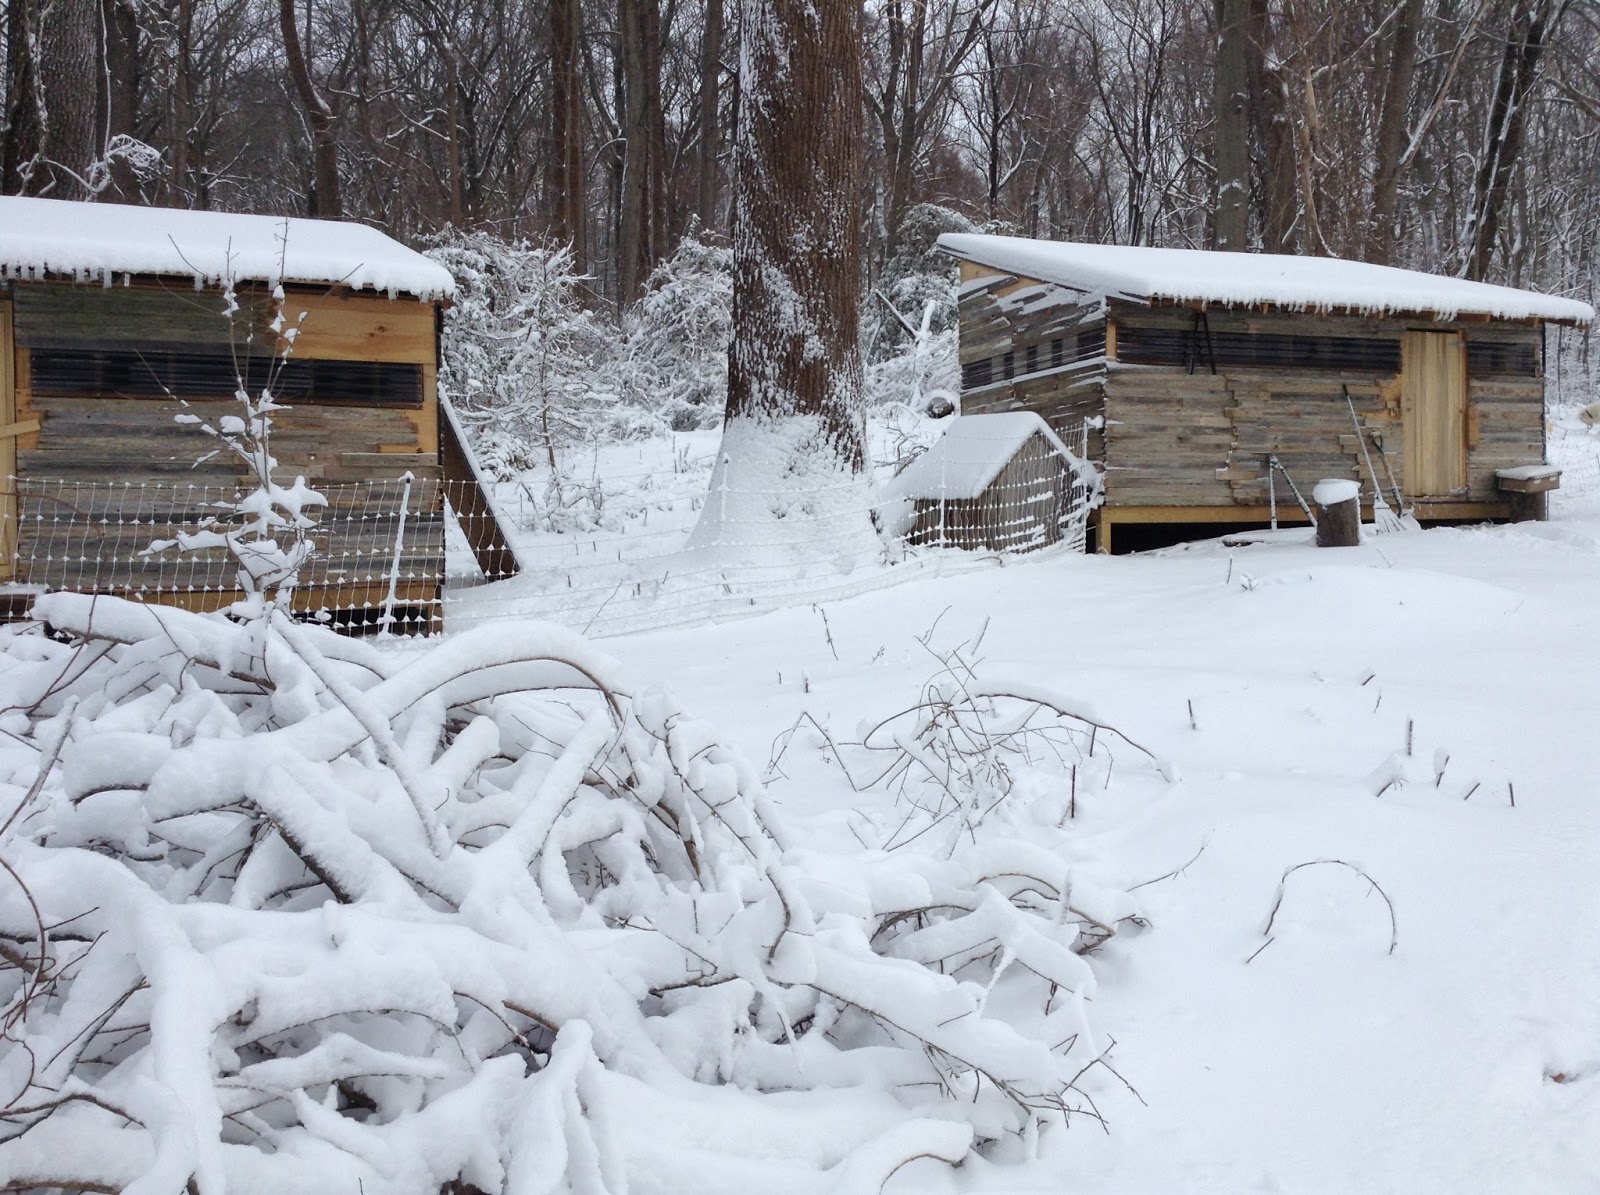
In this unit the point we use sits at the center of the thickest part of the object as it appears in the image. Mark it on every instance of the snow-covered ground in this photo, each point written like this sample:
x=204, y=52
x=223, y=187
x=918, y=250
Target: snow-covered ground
x=1381, y=706
x=1297, y=894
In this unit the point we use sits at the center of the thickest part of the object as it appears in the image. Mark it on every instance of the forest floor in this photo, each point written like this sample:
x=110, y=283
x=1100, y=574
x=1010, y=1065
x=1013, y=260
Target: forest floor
x=1416, y=717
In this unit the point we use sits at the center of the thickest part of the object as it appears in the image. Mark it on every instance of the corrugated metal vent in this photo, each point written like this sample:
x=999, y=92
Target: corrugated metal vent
x=165, y=374
x=1201, y=349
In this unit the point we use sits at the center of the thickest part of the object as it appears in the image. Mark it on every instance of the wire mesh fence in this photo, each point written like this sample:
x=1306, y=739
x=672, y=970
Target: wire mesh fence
x=606, y=554
x=1577, y=453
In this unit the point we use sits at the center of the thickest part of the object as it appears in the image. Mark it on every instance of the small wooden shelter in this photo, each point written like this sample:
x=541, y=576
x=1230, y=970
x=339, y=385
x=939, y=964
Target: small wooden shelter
x=116, y=320
x=998, y=482
x=1206, y=366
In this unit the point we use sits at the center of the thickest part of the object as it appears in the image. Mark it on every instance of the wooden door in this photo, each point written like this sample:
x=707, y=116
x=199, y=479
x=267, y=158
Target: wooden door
x=1433, y=405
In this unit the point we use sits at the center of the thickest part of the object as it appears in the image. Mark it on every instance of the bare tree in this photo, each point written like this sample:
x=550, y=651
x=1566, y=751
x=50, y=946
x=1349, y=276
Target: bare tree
x=641, y=233
x=920, y=48
x=710, y=115
x=325, y=198
x=1530, y=27
x=565, y=176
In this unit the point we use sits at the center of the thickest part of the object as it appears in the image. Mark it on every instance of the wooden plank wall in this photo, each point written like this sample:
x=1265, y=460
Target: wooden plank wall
x=1199, y=439
x=1014, y=314
x=8, y=447
x=85, y=443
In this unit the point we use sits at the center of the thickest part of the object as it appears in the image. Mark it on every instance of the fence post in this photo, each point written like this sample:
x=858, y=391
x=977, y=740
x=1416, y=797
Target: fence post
x=399, y=546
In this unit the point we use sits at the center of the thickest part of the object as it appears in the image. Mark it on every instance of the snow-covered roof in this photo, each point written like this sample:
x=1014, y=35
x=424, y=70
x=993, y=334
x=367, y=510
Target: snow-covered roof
x=93, y=242
x=1143, y=274
x=964, y=461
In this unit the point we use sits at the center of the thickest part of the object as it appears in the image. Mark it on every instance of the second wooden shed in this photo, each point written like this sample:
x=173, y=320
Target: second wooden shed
x=1204, y=366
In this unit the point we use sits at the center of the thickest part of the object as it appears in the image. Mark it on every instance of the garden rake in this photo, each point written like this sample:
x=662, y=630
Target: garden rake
x=1384, y=520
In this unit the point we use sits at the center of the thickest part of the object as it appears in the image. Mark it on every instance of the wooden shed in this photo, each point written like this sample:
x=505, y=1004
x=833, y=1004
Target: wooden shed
x=1206, y=366
x=998, y=482
x=116, y=320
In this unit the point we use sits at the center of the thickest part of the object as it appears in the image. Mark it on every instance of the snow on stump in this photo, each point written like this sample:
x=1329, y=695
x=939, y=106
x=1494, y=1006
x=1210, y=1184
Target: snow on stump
x=1527, y=489
x=1338, y=503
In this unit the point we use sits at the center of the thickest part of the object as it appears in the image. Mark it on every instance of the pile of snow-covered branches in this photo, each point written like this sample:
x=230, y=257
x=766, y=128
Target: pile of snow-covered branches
x=284, y=912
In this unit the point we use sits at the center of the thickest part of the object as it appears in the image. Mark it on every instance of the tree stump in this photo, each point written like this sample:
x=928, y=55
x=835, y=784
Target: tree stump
x=1338, y=504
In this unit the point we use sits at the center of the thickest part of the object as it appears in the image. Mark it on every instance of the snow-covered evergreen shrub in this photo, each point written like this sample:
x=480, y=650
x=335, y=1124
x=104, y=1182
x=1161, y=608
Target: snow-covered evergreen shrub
x=910, y=326
x=522, y=353
x=915, y=275
x=926, y=371
x=288, y=915
x=673, y=361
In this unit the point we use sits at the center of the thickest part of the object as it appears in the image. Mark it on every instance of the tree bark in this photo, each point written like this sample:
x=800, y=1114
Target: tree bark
x=324, y=200
x=565, y=181
x=1230, y=221
x=1531, y=24
x=182, y=106
x=1339, y=522
x=124, y=79
x=1278, y=196
x=1392, y=120
x=792, y=460
x=69, y=59
x=710, y=122
x=24, y=114
x=642, y=220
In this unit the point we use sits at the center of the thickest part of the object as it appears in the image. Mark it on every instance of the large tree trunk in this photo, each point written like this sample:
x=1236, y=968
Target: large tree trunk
x=642, y=228
x=123, y=81
x=69, y=58
x=52, y=76
x=178, y=194
x=565, y=182
x=710, y=122
x=1278, y=195
x=1230, y=224
x=790, y=472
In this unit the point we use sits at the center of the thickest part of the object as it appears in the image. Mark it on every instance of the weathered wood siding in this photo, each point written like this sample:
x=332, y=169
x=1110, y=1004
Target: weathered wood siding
x=93, y=439
x=8, y=445
x=1188, y=436
x=1004, y=316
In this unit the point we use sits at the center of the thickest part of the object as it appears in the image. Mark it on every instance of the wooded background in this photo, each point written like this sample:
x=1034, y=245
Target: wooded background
x=1456, y=136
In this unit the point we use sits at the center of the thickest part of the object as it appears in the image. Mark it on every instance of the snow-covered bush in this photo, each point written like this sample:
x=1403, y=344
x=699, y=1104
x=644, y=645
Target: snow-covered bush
x=673, y=362
x=283, y=914
x=522, y=352
x=910, y=324
x=924, y=376
x=915, y=275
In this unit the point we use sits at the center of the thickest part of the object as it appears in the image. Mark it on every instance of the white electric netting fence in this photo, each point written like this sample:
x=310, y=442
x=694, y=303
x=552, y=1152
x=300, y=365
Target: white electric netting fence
x=604, y=555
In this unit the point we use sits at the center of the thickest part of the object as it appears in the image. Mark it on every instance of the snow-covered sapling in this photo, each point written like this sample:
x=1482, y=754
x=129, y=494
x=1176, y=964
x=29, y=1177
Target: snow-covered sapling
x=265, y=530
